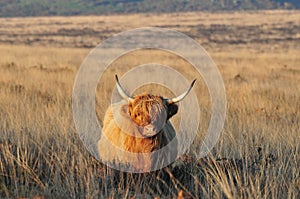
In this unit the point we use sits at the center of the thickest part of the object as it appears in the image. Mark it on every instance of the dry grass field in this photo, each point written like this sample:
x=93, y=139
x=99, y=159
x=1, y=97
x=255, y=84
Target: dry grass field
x=257, y=155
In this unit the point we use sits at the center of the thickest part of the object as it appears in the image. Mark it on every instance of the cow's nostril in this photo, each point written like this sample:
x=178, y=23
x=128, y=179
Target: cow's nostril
x=149, y=129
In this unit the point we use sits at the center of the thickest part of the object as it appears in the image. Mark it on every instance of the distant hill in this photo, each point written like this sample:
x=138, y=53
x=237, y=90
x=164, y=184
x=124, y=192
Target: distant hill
x=13, y=8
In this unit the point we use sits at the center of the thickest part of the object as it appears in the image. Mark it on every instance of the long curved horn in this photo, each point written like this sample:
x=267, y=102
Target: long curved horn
x=183, y=95
x=121, y=90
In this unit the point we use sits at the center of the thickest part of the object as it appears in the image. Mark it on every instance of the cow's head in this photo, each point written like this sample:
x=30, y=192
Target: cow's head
x=151, y=112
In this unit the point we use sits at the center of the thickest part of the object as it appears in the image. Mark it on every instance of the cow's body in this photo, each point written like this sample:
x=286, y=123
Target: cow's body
x=122, y=136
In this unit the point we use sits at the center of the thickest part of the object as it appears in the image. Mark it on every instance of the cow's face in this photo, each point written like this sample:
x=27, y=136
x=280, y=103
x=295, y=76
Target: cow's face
x=150, y=113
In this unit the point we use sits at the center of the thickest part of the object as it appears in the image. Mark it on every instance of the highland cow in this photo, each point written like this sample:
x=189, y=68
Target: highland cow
x=138, y=126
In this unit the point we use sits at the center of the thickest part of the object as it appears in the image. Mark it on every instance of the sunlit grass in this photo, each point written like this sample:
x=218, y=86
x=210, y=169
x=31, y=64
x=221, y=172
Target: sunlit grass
x=257, y=155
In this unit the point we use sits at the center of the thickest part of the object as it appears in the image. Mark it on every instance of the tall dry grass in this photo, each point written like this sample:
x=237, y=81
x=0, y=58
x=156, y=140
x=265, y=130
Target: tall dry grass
x=257, y=155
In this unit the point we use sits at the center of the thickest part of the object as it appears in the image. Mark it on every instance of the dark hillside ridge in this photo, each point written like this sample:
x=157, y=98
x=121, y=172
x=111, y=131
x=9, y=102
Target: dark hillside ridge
x=21, y=8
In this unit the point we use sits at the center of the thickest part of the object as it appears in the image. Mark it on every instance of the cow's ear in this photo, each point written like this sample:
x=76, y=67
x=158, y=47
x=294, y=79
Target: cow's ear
x=172, y=109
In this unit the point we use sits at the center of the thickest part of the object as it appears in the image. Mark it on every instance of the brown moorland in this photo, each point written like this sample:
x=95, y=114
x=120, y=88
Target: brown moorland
x=257, y=155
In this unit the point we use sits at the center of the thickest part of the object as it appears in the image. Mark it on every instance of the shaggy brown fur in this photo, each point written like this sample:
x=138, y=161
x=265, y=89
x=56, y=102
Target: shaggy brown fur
x=139, y=109
x=144, y=110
